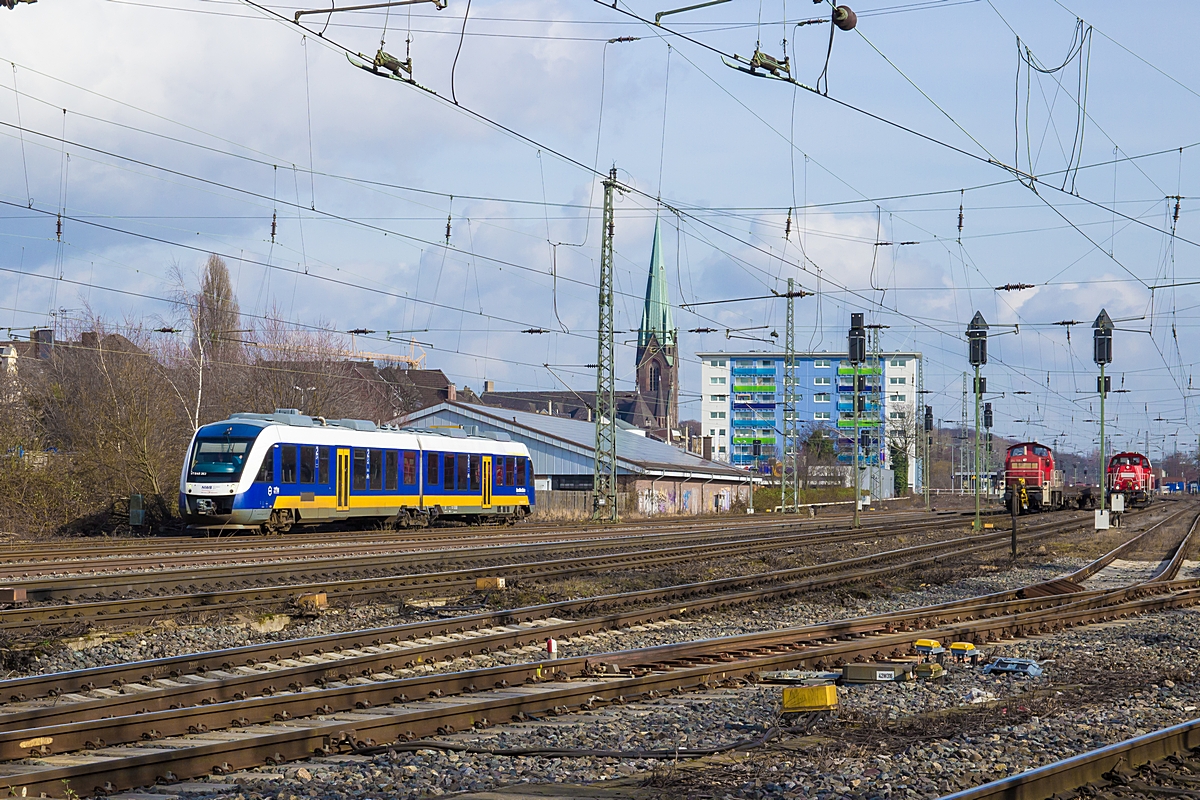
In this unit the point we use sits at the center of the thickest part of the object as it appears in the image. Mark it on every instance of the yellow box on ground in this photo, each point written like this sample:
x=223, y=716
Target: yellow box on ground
x=809, y=698
x=489, y=584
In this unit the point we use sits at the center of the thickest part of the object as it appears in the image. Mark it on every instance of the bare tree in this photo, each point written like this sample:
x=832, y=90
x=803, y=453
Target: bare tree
x=902, y=438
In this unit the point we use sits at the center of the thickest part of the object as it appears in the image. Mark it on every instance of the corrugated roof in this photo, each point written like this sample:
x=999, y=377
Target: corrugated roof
x=634, y=452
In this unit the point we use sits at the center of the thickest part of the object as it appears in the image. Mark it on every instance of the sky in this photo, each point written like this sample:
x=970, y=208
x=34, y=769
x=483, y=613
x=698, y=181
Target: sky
x=165, y=130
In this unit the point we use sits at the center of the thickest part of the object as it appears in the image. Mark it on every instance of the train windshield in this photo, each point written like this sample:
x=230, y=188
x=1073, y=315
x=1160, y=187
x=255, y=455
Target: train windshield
x=1038, y=450
x=219, y=459
x=1019, y=450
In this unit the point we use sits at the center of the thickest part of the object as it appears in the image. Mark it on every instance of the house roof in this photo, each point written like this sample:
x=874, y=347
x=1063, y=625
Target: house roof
x=636, y=453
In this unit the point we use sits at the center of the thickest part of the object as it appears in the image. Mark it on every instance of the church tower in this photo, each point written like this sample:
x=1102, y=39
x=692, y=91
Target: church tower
x=657, y=407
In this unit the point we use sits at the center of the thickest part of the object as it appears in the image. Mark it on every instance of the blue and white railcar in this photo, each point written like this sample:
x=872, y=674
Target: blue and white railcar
x=276, y=471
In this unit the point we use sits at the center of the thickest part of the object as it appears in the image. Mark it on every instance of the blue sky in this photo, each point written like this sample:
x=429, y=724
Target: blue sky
x=190, y=122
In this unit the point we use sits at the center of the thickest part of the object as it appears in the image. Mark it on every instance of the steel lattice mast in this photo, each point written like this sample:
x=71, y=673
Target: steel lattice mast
x=604, y=475
x=791, y=432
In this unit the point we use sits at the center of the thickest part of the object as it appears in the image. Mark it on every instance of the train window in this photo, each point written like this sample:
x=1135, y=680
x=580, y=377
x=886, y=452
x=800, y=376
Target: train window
x=410, y=468
x=521, y=471
x=360, y=469
x=474, y=461
x=431, y=470
x=308, y=465
x=1041, y=451
x=392, y=472
x=287, y=464
x=266, y=473
x=510, y=469
x=448, y=473
x=375, y=465
x=324, y=466
x=462, y=473
x=1016, y=451
x=498, y=471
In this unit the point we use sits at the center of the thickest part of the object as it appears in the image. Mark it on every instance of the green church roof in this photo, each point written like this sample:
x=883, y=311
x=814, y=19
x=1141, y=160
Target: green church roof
x=656, y=315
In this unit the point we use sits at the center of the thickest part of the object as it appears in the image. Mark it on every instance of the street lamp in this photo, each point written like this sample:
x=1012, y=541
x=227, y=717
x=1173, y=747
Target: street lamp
x=857, y=354
x=1102, y=330
x=977, y=339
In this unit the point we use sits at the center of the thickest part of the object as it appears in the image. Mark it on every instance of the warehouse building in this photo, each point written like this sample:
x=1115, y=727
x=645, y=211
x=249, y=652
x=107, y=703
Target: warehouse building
x=652, y=477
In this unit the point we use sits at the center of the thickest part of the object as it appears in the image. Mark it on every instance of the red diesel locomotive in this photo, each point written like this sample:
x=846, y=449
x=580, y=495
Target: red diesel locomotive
x=1032, y=463
x=1131, y=475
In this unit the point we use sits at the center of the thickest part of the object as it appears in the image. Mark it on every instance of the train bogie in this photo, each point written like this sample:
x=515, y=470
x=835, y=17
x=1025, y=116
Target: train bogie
x=276, y=471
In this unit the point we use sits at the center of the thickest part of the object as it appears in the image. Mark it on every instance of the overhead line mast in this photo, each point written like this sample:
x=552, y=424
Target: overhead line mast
x=604, y=473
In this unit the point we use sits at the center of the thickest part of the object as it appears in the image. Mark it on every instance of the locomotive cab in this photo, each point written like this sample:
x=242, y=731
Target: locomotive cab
x=1131, y=476
x=1031, y=465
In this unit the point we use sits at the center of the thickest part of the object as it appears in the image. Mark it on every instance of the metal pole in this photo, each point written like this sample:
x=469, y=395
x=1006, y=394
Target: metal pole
x=604, y=474
x=924, y=433
x=788, y=493
x=1103, y=471
x=978, y=520
x=857, y=486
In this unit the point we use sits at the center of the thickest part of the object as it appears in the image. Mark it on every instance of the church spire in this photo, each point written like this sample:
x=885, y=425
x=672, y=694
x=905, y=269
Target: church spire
x=656, y=315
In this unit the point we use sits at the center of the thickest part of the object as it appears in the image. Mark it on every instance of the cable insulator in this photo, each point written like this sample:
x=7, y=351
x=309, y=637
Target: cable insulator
x=273, y=221
x=787, y=230
x=58, y=227
x=447, y=229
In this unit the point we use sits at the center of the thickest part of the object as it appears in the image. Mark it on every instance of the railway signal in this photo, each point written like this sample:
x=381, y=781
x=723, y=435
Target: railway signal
x=857, y=354
x=1102, y=331
x=977, y=342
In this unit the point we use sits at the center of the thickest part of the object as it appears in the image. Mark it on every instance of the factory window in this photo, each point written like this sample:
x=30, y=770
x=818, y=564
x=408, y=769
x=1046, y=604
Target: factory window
x=821, y=415
x=823, y=380
x=389, y=479
x=308, y=465
x=462, y=472
x=821, y=363
x=431, y=470
x=717, y=380
x=897, y=381
x=899, y=362
x=410, y=468
x=324, y=466
x=375, y=465
x=448, y=473
x=266, y=473
x=521, y=469
x=510, y=470
x=360, y=469
x=821, y=397
x=474, y=473
x=287, y=464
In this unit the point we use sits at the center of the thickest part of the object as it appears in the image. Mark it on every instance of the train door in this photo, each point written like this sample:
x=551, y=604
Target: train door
x=487, y=481
x=343, y=480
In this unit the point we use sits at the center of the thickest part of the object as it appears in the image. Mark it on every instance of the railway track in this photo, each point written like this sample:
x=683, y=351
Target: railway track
x=1164, y=763
x=362, y=709
x=158, y=595
x=80, y=555
x=209, y=572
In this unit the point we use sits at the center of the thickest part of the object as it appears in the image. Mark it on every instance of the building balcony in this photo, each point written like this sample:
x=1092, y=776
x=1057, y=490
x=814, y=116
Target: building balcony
x=753, y=371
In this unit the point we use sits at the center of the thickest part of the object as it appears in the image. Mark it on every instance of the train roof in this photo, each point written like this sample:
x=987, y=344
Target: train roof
x=292, y=417
x=1128, y=454
x=1022, y=444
